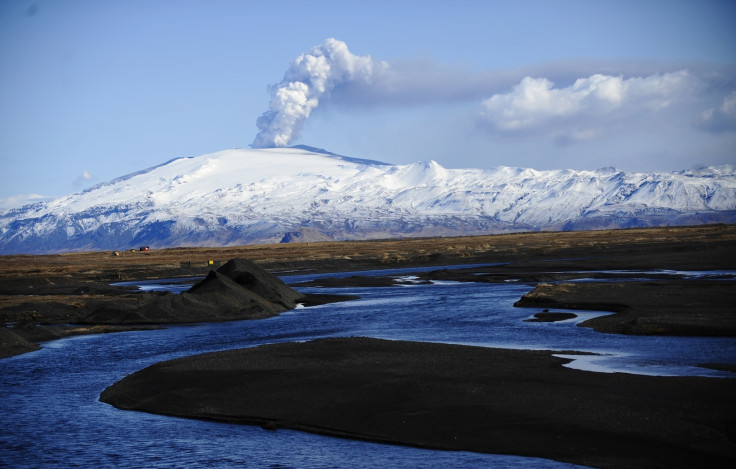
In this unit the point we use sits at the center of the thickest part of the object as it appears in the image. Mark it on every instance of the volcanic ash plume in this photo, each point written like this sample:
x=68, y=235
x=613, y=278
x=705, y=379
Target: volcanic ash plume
x=311, y=77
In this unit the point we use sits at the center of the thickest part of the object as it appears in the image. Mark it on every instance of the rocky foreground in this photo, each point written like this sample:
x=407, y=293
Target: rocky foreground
x=449, y=397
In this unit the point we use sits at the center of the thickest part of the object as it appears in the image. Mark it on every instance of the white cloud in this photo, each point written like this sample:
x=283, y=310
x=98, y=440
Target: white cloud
x=721, y=118
x=581, y=110
x=83, y=178
x=17, y=201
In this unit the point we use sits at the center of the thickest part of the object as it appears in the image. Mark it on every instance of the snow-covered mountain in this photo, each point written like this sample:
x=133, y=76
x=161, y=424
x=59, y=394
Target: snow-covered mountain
x=263, y=196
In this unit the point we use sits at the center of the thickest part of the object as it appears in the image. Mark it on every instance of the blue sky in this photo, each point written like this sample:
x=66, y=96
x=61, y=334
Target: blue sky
x=92, y=90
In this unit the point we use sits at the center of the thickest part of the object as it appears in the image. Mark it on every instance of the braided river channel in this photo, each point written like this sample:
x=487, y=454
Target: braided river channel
x=51, y=415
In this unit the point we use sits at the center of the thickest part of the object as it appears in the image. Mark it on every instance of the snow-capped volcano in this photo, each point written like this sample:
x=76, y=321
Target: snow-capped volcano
x=263, y=196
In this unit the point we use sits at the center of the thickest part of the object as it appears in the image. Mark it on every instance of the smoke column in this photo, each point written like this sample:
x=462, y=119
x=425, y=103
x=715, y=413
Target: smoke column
x=310, y=78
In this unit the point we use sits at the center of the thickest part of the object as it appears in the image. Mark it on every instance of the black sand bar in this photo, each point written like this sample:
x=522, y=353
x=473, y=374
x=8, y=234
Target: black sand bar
x=449, y=397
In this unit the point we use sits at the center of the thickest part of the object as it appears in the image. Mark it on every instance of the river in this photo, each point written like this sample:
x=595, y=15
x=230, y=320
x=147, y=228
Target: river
x=51, y=416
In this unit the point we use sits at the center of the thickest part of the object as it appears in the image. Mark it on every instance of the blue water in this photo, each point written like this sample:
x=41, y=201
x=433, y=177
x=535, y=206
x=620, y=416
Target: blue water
x=51, y=416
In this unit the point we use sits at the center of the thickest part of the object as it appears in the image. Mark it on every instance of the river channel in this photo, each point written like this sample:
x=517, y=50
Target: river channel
x=51, y=416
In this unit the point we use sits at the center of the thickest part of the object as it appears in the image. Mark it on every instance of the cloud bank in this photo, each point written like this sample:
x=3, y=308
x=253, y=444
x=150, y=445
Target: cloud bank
x=535, y=106
x=311, y=77
x=721, y=118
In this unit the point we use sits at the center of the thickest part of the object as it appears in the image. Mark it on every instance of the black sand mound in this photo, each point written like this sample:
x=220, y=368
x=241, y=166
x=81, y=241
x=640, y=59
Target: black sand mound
x=240, y=289
x=449, y=397
x=255, y=279
x=220, y=292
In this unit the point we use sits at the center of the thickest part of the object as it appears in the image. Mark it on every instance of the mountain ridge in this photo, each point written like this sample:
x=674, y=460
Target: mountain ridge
x=247, y=196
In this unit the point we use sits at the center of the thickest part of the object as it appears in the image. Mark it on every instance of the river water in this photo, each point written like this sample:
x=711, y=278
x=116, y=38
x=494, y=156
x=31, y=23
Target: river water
x=51, y=416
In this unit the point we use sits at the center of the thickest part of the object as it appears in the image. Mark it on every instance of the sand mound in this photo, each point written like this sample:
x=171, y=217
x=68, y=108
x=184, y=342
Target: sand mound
x=238, y=290
x=247, y=274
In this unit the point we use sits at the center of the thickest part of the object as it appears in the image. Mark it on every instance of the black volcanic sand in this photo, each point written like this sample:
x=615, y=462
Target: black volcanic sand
x=674, y=307
x=449, y=397
x=547, y=316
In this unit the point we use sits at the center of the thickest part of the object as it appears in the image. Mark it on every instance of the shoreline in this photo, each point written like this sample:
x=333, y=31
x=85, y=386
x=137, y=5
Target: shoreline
x=448, y=397
x=13, y=343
